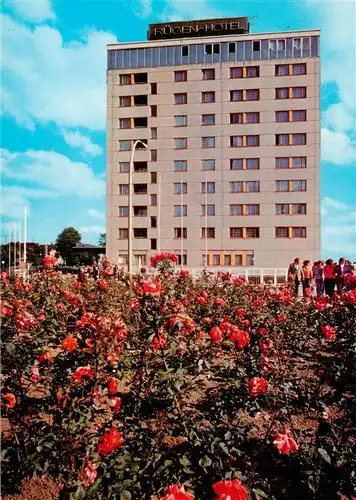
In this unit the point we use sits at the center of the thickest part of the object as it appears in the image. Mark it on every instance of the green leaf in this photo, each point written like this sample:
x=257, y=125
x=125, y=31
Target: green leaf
x=125, y=495
x=10, y=348
x=323, y=453
x=224, y=448
x=260, y=493
x=228, y=436
x=205, y=461
x=80, y=493
x=184, y=461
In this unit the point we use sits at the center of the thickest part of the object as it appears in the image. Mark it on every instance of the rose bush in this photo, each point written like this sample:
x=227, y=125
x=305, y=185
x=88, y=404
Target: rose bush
x=169, y=387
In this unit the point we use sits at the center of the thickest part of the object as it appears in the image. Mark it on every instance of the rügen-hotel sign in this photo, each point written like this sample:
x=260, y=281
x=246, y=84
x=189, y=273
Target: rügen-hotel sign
x=206, y=27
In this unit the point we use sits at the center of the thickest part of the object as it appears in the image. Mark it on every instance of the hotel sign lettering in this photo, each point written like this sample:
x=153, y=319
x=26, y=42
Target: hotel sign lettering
x=209, y=27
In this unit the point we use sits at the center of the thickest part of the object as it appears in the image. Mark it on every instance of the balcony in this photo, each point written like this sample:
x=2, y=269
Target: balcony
x=140, y=211
x=140, y=189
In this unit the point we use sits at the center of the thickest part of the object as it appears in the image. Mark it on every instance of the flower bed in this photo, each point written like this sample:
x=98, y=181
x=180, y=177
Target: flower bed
x=170, y=388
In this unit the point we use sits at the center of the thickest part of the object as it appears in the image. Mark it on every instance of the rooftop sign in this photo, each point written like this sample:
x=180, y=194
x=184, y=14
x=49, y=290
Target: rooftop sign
x=205, y=27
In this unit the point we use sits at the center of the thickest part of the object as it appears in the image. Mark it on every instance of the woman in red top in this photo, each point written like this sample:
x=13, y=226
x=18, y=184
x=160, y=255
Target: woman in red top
x=329, y=277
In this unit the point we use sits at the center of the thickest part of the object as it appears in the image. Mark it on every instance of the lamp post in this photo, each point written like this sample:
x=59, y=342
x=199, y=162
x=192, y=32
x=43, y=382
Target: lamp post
x=129, y=257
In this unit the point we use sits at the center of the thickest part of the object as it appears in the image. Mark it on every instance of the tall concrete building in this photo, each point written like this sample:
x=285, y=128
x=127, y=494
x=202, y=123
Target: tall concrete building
x=230, y=175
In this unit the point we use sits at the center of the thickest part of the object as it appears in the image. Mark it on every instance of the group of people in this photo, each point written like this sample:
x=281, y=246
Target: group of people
x=325, y=275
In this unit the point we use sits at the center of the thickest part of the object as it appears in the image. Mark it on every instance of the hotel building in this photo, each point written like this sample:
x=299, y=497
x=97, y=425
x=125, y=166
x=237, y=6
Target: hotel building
x=230, y=175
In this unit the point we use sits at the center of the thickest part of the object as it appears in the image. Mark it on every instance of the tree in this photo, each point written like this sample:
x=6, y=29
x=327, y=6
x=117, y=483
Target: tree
x=65, y=242
x=102, y=240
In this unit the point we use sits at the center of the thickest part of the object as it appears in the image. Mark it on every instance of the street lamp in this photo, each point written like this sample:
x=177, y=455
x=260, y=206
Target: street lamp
x=129, y=259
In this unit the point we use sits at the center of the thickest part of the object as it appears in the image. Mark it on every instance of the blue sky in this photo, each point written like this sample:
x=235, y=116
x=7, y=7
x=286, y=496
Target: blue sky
x=53, y=104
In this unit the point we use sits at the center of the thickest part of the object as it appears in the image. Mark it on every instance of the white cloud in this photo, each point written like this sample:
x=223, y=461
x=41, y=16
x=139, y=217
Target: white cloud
x=82, y=142
x=338, y=229
x=54, y=172
x=339, y=118
x=183, y=10
x=32, y=10
x=96, y=214
x=93, y=229
x=55, y=81
x=143, y=8
x=337, y=148
x=329, y=204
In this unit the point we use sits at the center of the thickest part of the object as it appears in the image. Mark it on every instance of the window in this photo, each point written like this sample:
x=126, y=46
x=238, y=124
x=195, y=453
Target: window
x=227, y=260
x=299, y=69
x=239, y=118
x=281, y=45
x=208, y=232
x=208, y=119
x=125, y=123
x=299, y=162
x=140, y=100
x=180, y=98
x=252, y=140
x=297, y=43
x=252, y=117
x=252, y=187
x=299, y=139
x=140, y=166
x=232, y=48
x=207, y=210
x=123, y=189
x=291, y=70
x=236, y=164
x=236, y=73
x=299, y=208
x=282, y=139
x=236, y=232
x=208, y=142
x=282, y=209
x=140, y=122
x=180, y=210
x=140, y=211
x=236, y=187
x=140, y=78
x=282, y=232
x=216, y=48
x=282, y=93
x=179, y=257
x=252, y=71
x=282, y=70
x=256, y=46
x=208, y=96
x=140, y=233
x=180, y=232
x=154, y=111
x=236, y=118
x=153, y=88
x=180, y=188
x=208, y=49
x=123, y=234
x=299, y=232
x=153, y=133
x=216, y=259
x=180, y=76
x=153, y=177
x=185, y=50
x=208, y=187
x=299, y=92
x=299, y=115
x=298, y=185
x=125, y=79
x=208, y=164
x=153, y=154
x=238, y=259
x=236, y=209
x=282, y=186
x=140, y=188
x=140, y=260
x=282, y=116
x=208, y=74
x=252, y=209
x=236, y=141
x=252, y=163
x=123, y=211
x=124, y=167
x=250, y=260
x=236, y=95
x=154, y=221
x=180, y=121
x=123, y=259
x=180, y=165
x=180, y=143
x=252, y=95
x=125, y=101
x=124, y=145
x=153, y=200
x=252, y=232
x=282, y=162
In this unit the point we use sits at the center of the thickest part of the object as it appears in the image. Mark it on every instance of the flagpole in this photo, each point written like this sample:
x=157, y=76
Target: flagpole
x=181, y=218
x=25, y=236
x=159, y=214
x=206, y=218
x=9, y=250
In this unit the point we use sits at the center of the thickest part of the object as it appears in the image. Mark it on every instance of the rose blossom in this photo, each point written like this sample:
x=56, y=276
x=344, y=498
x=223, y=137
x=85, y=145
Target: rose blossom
x=159, y=342
x=152, y=287
x=134, y=303
x=11, y=400
x=113, y=385
x=176, y=493
x=82, y=372
x=35, y=374
x=284, y=443
x=70, y=343
x=329, y=332
x=111, y=440
x=230, y=490
x=88, y=475
x=257, y=386
x=216, y=334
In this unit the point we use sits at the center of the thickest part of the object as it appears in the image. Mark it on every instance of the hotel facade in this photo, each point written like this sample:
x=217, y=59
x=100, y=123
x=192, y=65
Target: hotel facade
x=230, y=175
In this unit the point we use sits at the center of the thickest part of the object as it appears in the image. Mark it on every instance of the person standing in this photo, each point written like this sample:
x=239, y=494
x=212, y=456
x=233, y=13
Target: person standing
x=319, y=277
x=329, y=277
x=294, y=275
x=339, y=275
x=307, y=275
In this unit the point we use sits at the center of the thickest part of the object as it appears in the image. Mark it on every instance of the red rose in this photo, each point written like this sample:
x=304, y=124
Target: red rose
x=113, y=385
x=230, y=490
x=201, y=300
x=262, y=331
x=70, y=343
x=257, y=386
x=102, y=284
x=176, y=493
x=152, y=287
x=284, y=443
x=49, y=261
x=11, y=400
x=329, y=332
x=240, y=313
x=88, y=475
x=111, y=440
x=134, y=303
x=82, y=372
x=116, y=402
x=35, y=375
x=216, y=334
x=159, y=342
x=240, y=337
x=219, y=302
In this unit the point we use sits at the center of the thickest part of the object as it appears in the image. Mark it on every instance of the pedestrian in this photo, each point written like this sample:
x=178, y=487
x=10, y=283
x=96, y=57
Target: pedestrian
x=294, y=275
x=339, y=275
x=307, y=276
x=329, y=277
x=318, y=275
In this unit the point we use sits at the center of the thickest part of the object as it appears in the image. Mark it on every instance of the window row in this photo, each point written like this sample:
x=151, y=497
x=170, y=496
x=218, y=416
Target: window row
x=229, y=259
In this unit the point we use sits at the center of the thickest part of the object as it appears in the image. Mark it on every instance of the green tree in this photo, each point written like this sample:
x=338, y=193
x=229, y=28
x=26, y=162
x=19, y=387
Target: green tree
x=65, y=242
x=102, y=239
